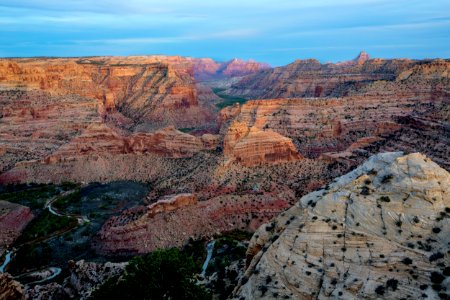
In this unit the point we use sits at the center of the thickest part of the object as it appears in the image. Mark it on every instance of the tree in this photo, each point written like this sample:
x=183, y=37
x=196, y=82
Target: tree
x=162, y=274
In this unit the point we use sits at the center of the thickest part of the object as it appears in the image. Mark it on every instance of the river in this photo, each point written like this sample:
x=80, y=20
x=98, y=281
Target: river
x=209, y=248
x=6, y=262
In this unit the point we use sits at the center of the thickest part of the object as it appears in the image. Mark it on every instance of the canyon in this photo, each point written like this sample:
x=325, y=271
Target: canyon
x=227, y=146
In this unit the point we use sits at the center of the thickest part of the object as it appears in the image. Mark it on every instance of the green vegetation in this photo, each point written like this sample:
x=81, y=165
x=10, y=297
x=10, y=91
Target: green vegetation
x=196, y=250
x=45, y=225
x=235, y=235
x=72, y=200
x=187, y=129
x=163, y=274
x=33, y=195
x=228, y=100
x=31, y=256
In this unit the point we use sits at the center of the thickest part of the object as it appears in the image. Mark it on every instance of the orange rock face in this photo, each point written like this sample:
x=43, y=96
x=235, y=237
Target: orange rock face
x=170, y=203
x=157, y=90
x=101, y=139
x=310, y=78
x=252, y=147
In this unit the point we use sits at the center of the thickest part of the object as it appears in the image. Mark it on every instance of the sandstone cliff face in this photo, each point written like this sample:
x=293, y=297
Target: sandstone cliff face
x=309, y=78
x=251, y=146
x=380, y=231
x=13, y=219
x=171, y=222
x=157, y=90
x=101, y=139
x=33, y=124
x=319, y=126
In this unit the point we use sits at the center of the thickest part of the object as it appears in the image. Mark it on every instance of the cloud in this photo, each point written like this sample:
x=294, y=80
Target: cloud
x=229, y=34
x=264, y=29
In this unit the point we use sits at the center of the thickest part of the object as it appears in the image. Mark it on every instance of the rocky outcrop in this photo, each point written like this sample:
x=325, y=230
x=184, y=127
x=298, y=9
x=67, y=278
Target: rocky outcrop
x=13, y=219
x=10, y=289
x=250, y=146
x=310, y=78
x=171, y=203
x=334, y=125
x=84, y=278
x=380, y=231
x=171, y=222
x=101, y=139
x=34, y=123
x=157, y=90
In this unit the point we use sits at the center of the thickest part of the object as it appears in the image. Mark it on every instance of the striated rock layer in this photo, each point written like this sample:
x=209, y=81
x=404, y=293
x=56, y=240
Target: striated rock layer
x=98, y=139
x=173, y=220
x=13, y=219
x=381, y=231
x=252, y=147
x=158, y=90
x=310, y=78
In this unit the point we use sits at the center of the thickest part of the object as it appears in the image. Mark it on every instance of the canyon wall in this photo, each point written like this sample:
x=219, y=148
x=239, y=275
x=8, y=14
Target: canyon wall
x=310, y=78
x=156, y=90
x=13, y=220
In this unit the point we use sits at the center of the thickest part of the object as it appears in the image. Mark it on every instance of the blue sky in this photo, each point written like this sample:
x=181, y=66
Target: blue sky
x=277, y=32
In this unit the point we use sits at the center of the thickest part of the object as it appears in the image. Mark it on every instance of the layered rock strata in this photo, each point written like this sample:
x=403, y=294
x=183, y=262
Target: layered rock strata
x=158, y=90
x=171, y=222
x=13, y=219
x=310, y=78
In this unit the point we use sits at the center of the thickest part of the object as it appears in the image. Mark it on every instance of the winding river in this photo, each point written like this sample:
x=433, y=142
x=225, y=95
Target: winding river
x=6, y=262
x=209, y=248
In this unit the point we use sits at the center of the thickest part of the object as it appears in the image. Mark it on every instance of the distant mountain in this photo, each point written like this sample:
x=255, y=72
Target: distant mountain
x=206, y=68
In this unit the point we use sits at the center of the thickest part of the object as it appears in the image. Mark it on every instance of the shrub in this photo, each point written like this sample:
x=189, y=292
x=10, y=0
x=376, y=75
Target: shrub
x=385, y=199
x=387, y=178
x=162, y=274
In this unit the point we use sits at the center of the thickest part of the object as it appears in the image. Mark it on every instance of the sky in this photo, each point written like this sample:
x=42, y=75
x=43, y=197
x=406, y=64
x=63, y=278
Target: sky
x=277, y=32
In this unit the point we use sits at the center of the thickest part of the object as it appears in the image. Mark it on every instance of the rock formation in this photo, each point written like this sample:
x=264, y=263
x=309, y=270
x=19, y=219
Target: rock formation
x=310, y=78
x=157, y=90
x=98, y=139
x=238, y=67
x=10, y=289
x=84, y=278
x=13, y=219
x=172, y=221
x=208, y=69
x=336, y=127
x=250, y=146
x=381, y=231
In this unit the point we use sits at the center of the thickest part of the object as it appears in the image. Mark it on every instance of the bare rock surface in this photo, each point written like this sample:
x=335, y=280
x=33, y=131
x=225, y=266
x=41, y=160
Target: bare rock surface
x=10, y=289
x=84, y=278
x=13, y=219
x=381, y=231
